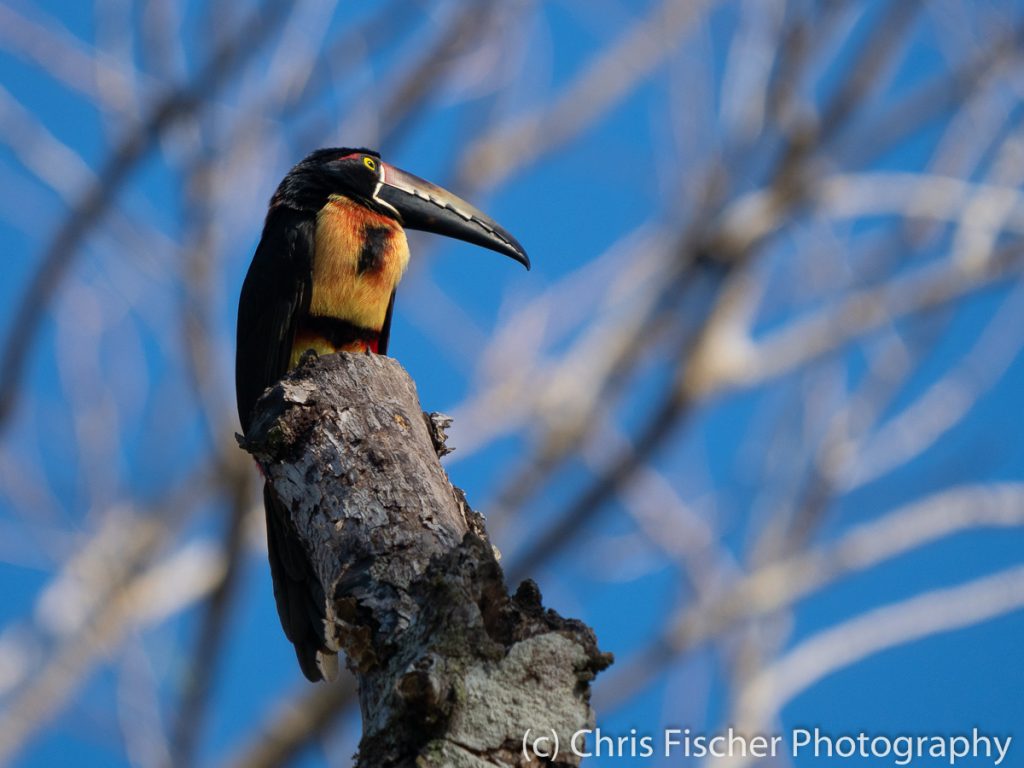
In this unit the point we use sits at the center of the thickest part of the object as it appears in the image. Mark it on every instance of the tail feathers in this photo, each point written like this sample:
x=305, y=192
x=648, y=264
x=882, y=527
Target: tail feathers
x=297, y=590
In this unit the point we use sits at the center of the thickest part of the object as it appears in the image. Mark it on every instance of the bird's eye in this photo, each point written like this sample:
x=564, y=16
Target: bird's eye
x=370, y=163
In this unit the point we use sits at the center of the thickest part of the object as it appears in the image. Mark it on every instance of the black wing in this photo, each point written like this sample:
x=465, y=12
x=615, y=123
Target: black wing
x=274, y=296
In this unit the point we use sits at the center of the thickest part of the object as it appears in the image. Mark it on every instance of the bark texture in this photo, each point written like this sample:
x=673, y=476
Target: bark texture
x=452, y=670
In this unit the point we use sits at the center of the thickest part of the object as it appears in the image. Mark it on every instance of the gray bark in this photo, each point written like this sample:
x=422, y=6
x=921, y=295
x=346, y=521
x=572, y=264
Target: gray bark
x=452, y=670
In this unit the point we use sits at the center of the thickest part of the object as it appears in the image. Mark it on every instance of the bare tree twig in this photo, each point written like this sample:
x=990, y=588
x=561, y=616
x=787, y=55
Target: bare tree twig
x=778, y=585
x=145, y=600
x=297, y=721
x=921, y=291
x=611, y=75
x=67, y=59
x=898, y=623
x=97, y=199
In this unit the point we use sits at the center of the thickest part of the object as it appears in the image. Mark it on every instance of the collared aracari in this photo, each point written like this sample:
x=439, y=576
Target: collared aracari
x=323, y=278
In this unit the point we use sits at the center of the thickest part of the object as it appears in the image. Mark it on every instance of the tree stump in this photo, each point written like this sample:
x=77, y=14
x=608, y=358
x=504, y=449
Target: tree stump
x=451, y=669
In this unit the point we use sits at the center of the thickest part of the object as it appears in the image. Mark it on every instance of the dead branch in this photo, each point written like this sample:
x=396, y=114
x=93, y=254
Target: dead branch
x=97, y=199
x=897, y=623
x=779, y=585
x=610, y=77
x=451, y=669
x=290, y=727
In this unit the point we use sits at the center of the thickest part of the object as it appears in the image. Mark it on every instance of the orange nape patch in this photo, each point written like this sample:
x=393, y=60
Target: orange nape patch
x=360, y=256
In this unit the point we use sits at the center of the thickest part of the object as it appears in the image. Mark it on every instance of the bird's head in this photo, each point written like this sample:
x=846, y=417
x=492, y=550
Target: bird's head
x=361, y=176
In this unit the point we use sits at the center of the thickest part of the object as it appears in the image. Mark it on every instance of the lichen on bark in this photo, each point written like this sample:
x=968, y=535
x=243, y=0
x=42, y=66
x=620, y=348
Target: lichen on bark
x=452, y=670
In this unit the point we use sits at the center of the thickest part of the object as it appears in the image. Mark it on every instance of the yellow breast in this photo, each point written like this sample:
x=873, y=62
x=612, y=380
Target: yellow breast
x=360, y=257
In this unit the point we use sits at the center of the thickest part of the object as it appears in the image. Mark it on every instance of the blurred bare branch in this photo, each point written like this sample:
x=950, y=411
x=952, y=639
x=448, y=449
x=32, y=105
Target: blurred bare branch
x=609, y=77
x=774, y=307
x=290, y=728
x=780, y=584
x=95, y=200
x=113, y=584
x=939, y=610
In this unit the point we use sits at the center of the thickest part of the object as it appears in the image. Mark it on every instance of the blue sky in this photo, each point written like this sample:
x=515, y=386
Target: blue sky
x=735, y=462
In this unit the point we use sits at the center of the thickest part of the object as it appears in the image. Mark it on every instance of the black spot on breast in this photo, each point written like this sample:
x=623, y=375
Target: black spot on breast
x=375, y=243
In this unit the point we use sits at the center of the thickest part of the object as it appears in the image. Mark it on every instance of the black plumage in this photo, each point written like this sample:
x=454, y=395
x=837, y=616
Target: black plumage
x=347, y=207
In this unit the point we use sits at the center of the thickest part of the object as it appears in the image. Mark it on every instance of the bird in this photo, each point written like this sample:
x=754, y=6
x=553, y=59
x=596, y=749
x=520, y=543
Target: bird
x=323, y=278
